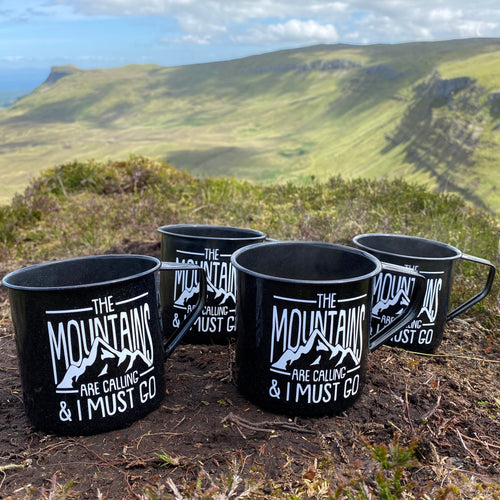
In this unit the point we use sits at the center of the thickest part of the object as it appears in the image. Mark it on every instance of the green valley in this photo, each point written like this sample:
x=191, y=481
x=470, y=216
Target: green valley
x=426, y=112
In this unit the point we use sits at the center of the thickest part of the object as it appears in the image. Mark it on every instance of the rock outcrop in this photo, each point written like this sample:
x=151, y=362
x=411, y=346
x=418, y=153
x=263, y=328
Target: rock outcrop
x=319, y=65
x=439, y=88
x=58, y=72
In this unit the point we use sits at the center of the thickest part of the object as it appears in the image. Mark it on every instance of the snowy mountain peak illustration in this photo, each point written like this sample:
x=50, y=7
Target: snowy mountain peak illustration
x=187, y=293
x=401, y=299
x=101, y=357
x=220, y=294
x=316, y=350
x=215, y=294
x=430, y=312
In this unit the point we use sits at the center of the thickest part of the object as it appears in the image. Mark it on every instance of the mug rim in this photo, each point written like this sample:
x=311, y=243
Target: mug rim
x=358, y=241
x=45, y=288
x=176, y=230
x=270, y=277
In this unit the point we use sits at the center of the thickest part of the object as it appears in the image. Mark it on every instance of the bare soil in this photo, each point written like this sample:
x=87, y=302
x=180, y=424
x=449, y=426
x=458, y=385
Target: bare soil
x=207, y=441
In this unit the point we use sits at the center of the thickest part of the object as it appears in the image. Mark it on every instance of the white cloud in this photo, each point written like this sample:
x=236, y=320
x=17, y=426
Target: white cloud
x=471, y=28
x=186, y=40
x=444, y=15
x=124, y=8
x=292, y=31
x=279, y=22
x=304, y=30
x=236, y=10
x=12, y=58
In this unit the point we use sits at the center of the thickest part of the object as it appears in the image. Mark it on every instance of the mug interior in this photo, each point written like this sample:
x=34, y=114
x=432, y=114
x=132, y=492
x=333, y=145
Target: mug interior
x=306, y=261
x=81, y=272
x=395, y=244
x=208, y=231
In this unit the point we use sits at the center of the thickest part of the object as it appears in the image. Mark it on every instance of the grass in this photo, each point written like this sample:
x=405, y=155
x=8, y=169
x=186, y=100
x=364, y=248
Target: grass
x=89, y=207
x=388, y=479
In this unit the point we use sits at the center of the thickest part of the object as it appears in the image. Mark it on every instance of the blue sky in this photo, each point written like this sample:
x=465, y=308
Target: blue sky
x=38, y=34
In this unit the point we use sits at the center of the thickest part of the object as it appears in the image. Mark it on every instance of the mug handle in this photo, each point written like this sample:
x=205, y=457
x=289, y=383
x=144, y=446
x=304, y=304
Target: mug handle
x=416, y=301
x=183, y=328
x=481, y=295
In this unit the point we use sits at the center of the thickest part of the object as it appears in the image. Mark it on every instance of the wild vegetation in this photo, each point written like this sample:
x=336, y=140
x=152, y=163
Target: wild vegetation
x=95, y=207
x=424, y=112
x=89, y=207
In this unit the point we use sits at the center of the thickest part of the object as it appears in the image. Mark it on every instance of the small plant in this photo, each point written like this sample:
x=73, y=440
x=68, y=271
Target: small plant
x=56, y=491
x=207, y=487
x=167, y=460
x=392, y=460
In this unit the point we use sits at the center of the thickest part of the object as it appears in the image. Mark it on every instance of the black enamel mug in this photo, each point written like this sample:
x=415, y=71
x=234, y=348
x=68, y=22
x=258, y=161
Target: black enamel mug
x=436, y=261
x=89, y=341
x=303, y=323
x=210, y=247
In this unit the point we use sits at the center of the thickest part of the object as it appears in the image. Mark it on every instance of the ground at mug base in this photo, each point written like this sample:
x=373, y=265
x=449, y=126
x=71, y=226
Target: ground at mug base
x=435, y=419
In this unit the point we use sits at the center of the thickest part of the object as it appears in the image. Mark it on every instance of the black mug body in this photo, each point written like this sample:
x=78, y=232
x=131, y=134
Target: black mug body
x=209, y=247
x=433, y=259
x=89, y=342
x=303, y=323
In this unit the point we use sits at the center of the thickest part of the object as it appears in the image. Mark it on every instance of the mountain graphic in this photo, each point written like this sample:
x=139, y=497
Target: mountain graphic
x=215, y=295
x=187, y=294
x=103, y=359
x=220, y=294
x=401, y=299
x=315, y=351
x=431, y=314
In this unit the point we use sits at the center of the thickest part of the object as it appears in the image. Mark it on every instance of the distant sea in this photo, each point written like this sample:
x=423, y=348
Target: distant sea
x=8, y=97
x=15, y=83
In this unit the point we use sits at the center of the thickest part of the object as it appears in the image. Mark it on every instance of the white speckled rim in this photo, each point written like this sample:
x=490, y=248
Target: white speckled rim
x=255, y=260
x=204, y=232
x=81, y=272
x=406, y=246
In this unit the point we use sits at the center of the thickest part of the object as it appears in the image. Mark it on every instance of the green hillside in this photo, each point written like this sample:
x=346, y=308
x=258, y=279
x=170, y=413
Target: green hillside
x=426, y=112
